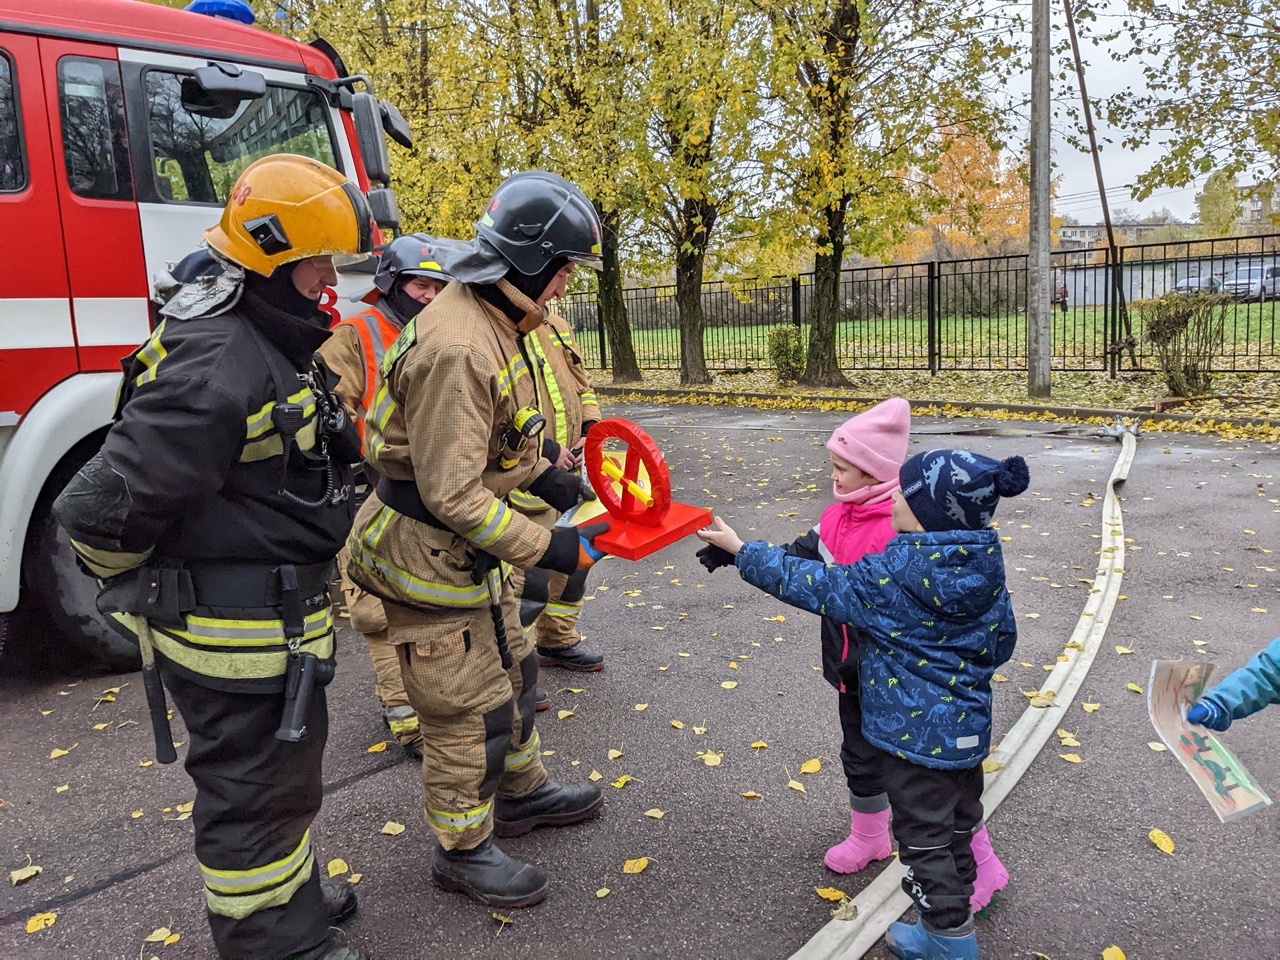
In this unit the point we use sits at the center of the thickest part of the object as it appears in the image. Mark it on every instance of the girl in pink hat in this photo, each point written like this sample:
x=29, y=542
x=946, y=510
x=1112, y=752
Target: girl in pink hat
x=867, y=451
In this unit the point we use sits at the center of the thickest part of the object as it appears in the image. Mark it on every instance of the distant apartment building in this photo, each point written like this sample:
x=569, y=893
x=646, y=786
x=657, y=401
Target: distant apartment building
x=1257, y=208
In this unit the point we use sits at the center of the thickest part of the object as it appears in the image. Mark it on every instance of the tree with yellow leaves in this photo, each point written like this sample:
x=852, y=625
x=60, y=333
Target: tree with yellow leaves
x=864, y=86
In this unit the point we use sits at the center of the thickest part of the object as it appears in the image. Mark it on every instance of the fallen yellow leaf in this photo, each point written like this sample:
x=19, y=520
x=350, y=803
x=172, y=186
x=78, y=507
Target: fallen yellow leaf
x=1122, y=650
x=573, y=689
x=379, y=747
x=40, y=921
x=602, y=893
x=778, y=619
x=615, y=754
x=54, y=754
x=62, y=789
x=759, y=745
x=337, y=867
x=729, y=684
x=157, y=935
x=642, y=706
x=354, y=878
x=999, y=678
x=136, y=815
x=1133, y=687
x=146, y=763
x=796, y=785
x=23, y=874
x=635, y=866
x=830, y=893
x=101, y=726
x=1162, y=840
x=171, y=939
x=655, y=814
x=732, y=665
x=711, y=759
x=1157, y=746
x=595, y=776
x=622, y=781
x=1113, y=953
x=392, y=829
x=677, y=724
x=751, y=795
x=1071, y=757
x=811, y=766
x=564, y=714
x=1090, y=707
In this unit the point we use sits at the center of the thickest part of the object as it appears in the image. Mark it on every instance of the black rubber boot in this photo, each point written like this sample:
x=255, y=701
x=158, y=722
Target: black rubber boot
x=551, y=805
x=489, y=876
x=339, y=900
x=541, y=699
x=573, y=658
x=331, y=950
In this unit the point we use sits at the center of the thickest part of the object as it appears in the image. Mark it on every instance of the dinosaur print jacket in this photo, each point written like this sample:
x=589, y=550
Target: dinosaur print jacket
x=937, y=621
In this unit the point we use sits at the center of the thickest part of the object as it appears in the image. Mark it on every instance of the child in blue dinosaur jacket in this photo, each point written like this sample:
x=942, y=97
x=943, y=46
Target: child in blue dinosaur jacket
x=937, y=621
x=1244, y=692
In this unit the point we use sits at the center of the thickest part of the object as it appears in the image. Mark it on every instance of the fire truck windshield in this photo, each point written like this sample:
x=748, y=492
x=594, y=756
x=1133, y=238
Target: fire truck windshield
x=196, y=159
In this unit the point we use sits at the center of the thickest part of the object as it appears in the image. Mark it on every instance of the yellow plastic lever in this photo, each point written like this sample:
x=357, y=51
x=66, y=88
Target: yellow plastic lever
x=614, y=472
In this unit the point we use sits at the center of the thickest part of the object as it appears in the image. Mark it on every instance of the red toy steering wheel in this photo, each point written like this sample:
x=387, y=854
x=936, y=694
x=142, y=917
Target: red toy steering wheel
x=629, y=504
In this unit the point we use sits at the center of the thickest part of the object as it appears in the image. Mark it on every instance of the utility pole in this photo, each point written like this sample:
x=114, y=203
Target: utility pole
x=1039, y=275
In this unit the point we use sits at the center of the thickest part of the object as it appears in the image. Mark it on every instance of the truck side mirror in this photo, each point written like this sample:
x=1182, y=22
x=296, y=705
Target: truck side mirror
x=395, y=125
x=217, y=90
x=373, y=147
x=385, y=210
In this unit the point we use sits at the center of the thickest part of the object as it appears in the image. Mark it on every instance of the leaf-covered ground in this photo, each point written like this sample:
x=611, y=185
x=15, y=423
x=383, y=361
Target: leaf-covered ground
x=1243, y=406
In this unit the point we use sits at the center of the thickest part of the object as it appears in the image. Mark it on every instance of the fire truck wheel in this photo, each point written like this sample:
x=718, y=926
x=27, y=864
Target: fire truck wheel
x=65, y=594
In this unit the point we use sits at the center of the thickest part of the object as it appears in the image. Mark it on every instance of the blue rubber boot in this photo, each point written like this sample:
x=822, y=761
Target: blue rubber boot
x=915, y=941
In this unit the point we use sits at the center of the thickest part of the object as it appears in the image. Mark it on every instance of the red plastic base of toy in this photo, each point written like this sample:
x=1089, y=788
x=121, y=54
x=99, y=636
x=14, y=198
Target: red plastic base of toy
x=633, y=541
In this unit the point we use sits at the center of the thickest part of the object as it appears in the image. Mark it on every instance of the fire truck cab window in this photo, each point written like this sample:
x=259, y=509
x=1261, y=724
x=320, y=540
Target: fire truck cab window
x=197, y=158
x=13, y=171
x=94, y=142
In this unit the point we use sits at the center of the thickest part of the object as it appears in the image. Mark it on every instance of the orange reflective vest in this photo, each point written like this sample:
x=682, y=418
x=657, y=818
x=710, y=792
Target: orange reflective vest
x=376, y=334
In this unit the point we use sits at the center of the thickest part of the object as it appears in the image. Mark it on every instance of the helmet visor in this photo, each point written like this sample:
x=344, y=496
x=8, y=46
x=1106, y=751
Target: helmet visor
x=592, y=261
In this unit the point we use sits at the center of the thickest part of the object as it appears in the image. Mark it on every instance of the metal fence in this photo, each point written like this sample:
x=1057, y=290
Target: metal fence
x=962, y=315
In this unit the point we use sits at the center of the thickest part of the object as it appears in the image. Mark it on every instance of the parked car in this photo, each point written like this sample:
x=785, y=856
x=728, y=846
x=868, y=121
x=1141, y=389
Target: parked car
x=1190, y=285
x=1255, y=282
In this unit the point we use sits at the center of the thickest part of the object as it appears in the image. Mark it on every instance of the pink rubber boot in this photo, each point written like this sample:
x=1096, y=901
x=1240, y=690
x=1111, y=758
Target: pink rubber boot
x=992, y=875
x=868, y=840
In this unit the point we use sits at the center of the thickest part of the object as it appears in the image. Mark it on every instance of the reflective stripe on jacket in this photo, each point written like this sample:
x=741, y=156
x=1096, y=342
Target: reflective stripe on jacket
x=355, y=353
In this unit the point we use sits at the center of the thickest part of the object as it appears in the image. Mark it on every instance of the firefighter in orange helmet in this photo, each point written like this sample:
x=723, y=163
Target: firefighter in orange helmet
x=407, y=279
x=212, y=514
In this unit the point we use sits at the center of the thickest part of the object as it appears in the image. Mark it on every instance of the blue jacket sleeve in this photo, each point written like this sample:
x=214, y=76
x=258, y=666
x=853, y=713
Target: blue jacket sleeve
x=1006, y=634
x=1253, y=686
x=830, y=590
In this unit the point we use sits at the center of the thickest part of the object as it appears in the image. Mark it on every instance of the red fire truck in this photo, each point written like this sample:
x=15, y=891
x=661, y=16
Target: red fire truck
x=123, y=125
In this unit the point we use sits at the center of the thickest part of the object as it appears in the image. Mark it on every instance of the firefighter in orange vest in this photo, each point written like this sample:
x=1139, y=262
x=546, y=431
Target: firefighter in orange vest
x=407, y=280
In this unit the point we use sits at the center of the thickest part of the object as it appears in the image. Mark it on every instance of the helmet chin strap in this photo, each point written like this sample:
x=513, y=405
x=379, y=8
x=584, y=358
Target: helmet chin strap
x=534, y=315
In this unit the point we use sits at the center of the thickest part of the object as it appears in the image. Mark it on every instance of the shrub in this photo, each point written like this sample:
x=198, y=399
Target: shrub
x=786, y=351
x=1186, y=333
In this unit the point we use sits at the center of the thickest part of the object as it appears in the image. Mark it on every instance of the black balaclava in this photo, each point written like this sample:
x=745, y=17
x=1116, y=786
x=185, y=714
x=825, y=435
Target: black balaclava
x=531, y=286
x=402, y=305
x=290, y=320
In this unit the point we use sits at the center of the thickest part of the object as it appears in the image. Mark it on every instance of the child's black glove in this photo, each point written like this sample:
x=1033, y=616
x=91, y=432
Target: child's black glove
x=713, y=557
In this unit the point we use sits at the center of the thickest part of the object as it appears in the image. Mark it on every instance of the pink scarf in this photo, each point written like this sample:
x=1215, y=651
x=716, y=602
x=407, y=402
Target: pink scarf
x=851, y=530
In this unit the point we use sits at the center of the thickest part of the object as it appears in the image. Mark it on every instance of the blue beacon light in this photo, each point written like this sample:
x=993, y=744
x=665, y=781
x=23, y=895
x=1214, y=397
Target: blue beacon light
x=236, y=10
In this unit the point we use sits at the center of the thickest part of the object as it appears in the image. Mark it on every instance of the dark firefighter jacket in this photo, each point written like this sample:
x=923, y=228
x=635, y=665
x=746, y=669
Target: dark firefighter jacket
x=189, y=479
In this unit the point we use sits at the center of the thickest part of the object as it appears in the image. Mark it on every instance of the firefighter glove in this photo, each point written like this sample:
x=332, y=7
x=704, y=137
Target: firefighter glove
x=572, y=549
x=559, y=488
x=713, y=557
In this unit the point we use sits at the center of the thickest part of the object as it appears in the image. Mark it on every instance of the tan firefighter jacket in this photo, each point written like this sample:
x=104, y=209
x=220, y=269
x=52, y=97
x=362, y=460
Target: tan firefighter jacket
x=567, y=398
x=450, y=388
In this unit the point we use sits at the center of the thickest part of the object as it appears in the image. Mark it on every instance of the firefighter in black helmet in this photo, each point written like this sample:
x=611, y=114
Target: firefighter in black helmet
x=213, y=513
x=437, y=540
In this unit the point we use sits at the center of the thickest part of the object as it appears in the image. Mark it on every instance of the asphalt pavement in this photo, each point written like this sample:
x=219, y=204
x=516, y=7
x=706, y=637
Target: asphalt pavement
x=701, y=664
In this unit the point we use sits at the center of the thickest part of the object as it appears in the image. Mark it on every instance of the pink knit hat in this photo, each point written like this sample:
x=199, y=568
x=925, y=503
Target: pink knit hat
x=875, y=441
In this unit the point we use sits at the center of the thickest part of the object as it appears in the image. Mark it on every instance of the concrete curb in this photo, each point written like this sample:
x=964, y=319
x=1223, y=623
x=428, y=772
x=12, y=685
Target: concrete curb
x=975, y=406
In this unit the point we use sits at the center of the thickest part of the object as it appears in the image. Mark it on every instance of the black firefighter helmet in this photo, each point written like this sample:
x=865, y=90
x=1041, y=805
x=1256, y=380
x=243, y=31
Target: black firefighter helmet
x=536, y=218
x=405, y=257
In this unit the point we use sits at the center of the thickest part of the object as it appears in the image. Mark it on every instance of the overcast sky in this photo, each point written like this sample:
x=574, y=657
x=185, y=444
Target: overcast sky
x=1078, y=188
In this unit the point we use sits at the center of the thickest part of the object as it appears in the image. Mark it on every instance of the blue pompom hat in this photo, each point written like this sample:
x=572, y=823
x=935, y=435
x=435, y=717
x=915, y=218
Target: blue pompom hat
x=959, y=490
